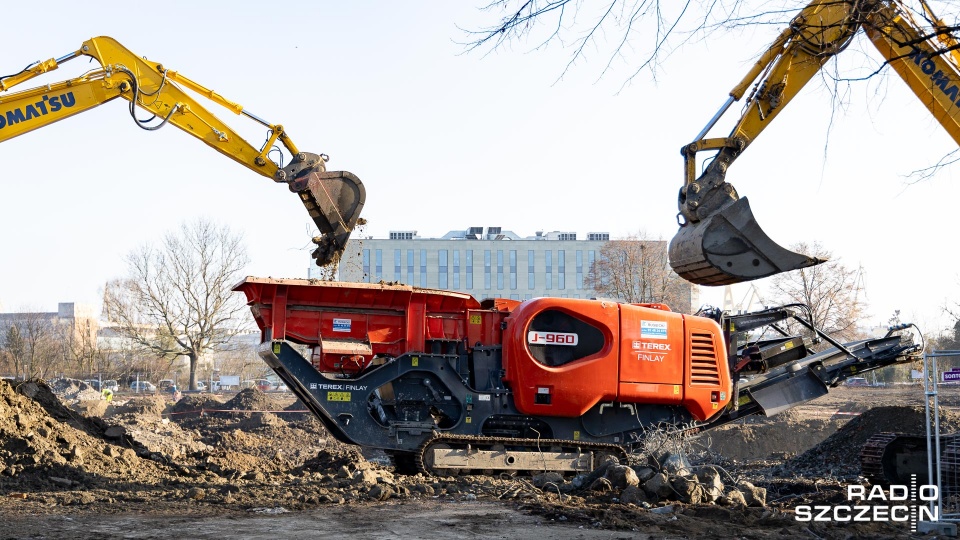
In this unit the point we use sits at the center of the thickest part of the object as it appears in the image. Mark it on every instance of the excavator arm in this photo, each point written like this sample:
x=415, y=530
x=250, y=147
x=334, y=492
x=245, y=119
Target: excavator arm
x=332, y=198
x=719, y=241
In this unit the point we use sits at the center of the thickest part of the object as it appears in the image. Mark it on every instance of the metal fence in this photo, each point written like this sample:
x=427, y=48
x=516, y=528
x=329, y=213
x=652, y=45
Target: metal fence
x=943, y=444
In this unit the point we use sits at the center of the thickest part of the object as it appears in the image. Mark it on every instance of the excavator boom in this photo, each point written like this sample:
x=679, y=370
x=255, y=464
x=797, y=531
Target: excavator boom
x=719, y=241
x=333, y=199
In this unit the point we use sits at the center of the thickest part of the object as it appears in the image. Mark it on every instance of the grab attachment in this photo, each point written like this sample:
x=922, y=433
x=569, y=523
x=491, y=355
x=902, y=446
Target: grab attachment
x=333, y=199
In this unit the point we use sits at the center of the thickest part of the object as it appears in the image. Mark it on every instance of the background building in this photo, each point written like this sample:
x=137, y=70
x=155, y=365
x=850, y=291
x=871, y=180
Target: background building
x=71, y=321
x=483, y=262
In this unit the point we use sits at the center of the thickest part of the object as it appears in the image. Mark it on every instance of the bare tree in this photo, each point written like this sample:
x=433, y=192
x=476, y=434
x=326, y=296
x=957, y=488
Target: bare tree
x=640, y=34
x=31, y=346
x=636, y=269
x=13, y=353
x=77, y=341
x=176, y=299
x=832, y=291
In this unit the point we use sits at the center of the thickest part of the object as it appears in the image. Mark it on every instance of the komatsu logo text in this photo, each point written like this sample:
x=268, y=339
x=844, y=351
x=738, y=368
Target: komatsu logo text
x=938, y=78
x=46, y=105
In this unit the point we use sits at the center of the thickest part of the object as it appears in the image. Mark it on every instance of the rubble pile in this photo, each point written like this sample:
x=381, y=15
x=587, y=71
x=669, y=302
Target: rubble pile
x=212, y=455
x=657, y=483
x=72, y=390
x=46, y=446
x=247, y=447
x=839, y=454
x=194, y=406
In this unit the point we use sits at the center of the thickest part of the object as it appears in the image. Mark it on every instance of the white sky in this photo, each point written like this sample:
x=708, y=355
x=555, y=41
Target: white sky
x=444, y=140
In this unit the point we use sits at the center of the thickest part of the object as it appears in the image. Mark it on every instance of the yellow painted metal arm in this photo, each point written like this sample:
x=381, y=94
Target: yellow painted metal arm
x=333, y=199
x=819, y=31
x=146, y=84
x=719, y=240
x=930, y=71
x=38, y=107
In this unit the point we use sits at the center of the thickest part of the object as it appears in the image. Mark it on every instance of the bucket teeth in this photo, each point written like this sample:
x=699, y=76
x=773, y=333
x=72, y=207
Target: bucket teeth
x=728, y=247
x=334, y=200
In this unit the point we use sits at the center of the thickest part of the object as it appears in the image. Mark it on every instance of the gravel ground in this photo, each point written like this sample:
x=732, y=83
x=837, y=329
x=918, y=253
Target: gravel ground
x=72, y=467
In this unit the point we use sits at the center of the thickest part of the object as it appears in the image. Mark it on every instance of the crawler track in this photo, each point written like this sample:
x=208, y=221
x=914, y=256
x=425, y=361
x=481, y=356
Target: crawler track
x=871, y=457
x=513, y=453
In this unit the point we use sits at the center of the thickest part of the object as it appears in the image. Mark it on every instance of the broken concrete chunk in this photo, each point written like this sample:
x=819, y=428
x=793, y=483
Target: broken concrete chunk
x=659, y=486
x=621, y=476
x=633, y=495
x=755, y=496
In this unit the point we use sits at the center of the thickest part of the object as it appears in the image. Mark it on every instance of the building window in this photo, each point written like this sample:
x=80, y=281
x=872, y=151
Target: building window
x=579, y=269
x=469, y=269
x=423, y=268
x=442, y=275
x=591, y=258
x=499, y=269
x=410, y=274
x=549, y=256
x=513, y=271
x=561, y=270
x=567, y=236
x=486, y=269
x=398, y=265
x=531, y=276
x=456, y=269
x=379, y=261
x=366, y=265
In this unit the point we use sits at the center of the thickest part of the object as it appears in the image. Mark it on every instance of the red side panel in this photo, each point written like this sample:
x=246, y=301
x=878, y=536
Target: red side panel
x=708, y=388
x=347, y=324
x=651, y=355
x=573, y=387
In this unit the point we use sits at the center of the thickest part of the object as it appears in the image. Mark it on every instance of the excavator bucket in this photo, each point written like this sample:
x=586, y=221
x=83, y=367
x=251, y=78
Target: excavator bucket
x=728, y=247
x=334, y=200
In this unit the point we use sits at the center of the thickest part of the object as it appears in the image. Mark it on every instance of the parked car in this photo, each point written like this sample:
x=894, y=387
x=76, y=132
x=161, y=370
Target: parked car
x=93, y=383
x=261, y=384
x=165, y=385
x=110, y=385
x=143, y=386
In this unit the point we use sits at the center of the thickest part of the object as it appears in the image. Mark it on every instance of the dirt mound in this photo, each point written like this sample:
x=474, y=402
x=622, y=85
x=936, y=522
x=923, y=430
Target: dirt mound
x=45, y=445
x=251, y=399
x=41, y=394
x=296, y=411
x=257, y=460
x=759, y=437
x=193, y=406
x=144, y=405
x=839, y=454
x=73, y=390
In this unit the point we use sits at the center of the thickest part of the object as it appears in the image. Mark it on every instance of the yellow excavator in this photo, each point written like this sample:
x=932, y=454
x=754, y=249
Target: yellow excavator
x=719, y=241
x=332, y=198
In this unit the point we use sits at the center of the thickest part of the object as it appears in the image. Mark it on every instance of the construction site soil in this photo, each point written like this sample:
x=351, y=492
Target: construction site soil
x=256, y=465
